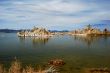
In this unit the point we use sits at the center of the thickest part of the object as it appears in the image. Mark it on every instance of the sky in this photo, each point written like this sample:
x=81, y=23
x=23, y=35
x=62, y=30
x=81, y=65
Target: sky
x=54, y=14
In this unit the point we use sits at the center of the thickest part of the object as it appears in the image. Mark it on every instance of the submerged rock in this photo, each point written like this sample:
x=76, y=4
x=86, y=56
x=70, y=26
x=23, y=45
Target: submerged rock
x=56, y=62
x=97, y=70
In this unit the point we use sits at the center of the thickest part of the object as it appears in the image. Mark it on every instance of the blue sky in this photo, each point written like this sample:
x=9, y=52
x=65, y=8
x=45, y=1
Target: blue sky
x=54, y=14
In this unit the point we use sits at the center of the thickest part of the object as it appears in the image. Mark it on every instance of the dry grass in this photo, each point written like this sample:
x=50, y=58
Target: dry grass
x=16, y=67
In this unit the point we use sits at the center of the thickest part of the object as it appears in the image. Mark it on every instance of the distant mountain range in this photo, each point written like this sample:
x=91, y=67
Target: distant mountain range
x=102, y=26
x=58, y=30
x=99, y=25
x=15, y=31
x=9, y=30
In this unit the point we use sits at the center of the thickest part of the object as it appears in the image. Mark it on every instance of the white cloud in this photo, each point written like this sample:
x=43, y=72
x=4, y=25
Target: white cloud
x=60, y=6
x=45, y=12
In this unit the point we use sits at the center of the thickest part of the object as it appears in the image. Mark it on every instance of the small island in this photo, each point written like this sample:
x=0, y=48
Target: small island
x=89, y=30
x=35, y=32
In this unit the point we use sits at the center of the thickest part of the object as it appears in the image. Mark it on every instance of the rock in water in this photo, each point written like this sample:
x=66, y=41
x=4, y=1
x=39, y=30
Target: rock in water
x=56, y=62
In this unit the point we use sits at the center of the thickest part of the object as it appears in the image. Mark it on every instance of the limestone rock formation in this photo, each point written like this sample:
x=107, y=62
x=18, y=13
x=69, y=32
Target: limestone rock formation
x=42, y=32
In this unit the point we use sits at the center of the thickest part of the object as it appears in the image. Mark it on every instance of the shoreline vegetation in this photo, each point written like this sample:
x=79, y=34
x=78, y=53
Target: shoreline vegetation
x=16, y=67
x=42, y=32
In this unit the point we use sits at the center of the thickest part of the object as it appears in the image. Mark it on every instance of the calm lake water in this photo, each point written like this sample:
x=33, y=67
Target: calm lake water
x=77, y=52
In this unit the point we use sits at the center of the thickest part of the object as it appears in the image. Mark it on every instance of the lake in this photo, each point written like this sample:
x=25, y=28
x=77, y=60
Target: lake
x=77, y=52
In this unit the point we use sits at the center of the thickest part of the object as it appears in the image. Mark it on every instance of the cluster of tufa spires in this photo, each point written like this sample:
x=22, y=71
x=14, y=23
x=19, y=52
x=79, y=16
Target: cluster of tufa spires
x=42, y=32
x=39, y=32
x=90, y=31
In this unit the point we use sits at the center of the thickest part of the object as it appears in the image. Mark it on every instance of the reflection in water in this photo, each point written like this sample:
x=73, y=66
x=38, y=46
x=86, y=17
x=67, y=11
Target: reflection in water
x=40, y=41
x=89, y=39
x=34, y=40
x=22, y=39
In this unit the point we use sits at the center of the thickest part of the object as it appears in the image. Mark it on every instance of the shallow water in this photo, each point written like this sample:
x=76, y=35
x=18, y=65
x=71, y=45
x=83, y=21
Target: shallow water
x=77, y=52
